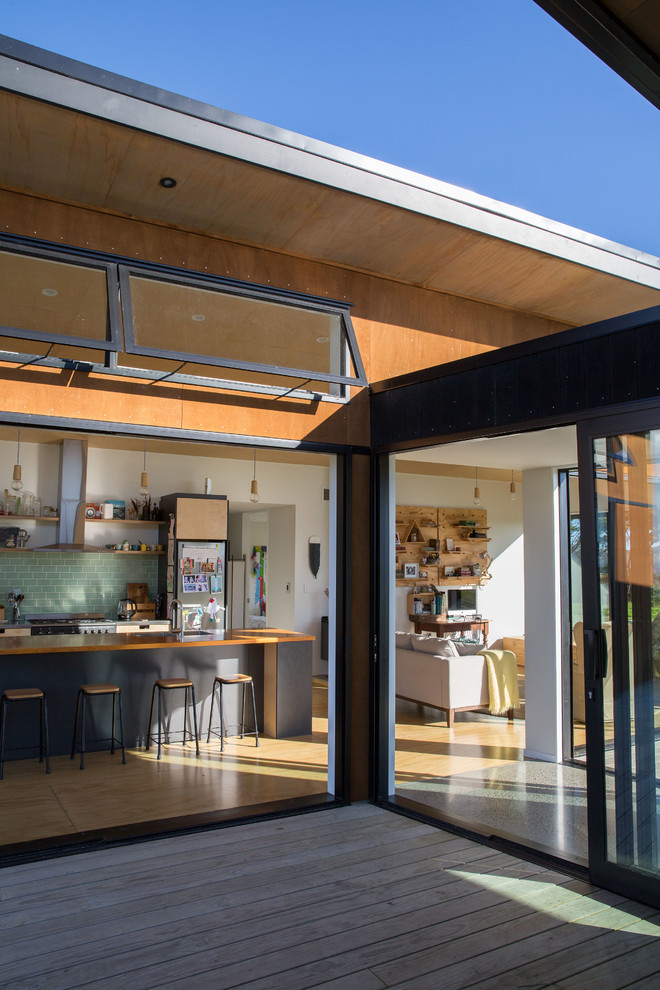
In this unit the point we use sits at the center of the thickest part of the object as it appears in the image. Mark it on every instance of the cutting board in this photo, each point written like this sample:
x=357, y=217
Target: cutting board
x=138, y=592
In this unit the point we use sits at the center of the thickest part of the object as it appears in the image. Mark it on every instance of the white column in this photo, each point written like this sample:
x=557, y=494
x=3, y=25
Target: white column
x=543, y=722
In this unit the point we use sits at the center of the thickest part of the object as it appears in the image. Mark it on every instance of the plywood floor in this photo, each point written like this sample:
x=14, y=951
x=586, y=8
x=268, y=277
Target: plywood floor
x=36, y=805
x=350, y=898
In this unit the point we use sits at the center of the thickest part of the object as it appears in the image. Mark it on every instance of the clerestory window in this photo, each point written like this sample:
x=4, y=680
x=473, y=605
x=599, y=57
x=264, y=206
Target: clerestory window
x=177, y=325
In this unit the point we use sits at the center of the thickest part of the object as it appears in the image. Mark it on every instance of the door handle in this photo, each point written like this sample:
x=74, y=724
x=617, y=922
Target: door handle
x=595, y=650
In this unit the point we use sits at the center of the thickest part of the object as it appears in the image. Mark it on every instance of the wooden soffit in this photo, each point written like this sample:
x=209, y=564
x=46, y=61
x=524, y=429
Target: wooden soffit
x=70, y=132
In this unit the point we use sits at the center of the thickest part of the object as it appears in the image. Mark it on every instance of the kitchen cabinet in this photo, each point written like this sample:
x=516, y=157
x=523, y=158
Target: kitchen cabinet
x=198, y=517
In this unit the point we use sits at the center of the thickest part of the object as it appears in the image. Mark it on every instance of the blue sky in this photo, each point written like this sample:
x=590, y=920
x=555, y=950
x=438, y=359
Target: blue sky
x=491, y=95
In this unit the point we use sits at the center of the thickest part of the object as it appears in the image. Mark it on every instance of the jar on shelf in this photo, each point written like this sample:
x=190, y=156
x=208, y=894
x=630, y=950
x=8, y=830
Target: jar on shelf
x=24, y=504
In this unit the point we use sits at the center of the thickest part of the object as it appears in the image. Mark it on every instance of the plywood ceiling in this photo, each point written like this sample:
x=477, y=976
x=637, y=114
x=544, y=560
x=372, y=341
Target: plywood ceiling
x=57, y=153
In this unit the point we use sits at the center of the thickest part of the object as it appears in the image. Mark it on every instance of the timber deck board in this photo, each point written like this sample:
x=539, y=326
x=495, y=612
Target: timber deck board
x=354, y=898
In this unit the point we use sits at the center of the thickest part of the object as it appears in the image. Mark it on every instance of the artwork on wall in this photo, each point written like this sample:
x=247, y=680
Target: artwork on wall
x=411, y=570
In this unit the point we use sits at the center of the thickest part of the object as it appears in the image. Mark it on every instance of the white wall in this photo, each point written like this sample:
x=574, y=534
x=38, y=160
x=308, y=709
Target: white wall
x=543, y=618
x=40, y=466
x=502, y=599
x=280, y=584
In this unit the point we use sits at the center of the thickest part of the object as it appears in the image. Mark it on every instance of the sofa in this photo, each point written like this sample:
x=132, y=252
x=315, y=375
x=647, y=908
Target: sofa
x=444, y=673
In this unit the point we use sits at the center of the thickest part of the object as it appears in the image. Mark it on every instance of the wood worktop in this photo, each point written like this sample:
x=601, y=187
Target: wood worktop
x=81, y=643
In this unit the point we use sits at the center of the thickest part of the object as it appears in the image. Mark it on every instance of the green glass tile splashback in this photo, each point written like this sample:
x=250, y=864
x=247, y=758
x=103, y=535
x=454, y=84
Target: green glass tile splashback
x=74, y=582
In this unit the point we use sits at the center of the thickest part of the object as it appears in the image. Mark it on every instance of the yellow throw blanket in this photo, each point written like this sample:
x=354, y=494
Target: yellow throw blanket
x=502, y=680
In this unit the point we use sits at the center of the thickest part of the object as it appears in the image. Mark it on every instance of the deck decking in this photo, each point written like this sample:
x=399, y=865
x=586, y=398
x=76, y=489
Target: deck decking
x=353, y=898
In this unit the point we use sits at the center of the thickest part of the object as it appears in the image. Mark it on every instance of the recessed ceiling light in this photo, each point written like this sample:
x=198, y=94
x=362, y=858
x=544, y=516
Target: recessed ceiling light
x=49, y=292
x=167, y=182
x=198, y=317
x=322, y=340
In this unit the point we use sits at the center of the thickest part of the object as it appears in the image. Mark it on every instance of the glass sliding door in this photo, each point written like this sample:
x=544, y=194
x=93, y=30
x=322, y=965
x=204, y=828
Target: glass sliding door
x=572, y=620
x=620, y=502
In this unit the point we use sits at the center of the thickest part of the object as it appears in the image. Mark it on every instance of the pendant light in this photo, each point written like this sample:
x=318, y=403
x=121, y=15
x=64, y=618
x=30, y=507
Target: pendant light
x=477, y=496
x=254, y=487
x=17, y=483
x=513, y=495
x=144, y=477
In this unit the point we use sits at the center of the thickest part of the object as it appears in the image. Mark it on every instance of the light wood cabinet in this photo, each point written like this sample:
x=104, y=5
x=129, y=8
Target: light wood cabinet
x=202, y=517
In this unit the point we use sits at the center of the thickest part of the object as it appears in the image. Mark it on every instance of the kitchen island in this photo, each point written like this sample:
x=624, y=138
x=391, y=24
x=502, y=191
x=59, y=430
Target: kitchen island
x=280, y=662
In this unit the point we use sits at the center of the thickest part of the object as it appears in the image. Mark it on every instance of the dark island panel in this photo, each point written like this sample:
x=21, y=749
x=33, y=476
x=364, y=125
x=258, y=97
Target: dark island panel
x=134, y=667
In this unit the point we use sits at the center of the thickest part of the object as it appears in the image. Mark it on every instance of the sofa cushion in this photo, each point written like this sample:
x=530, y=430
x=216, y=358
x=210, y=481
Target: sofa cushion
x=467, y=649
x=402, y=640
x=434, y=645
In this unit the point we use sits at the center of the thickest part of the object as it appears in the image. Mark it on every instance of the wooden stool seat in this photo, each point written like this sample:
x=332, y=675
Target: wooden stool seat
x=25, y=694
x=22, y=694
x=218, y=682
x=97, y=690
x=169, y=684
x=166, y=683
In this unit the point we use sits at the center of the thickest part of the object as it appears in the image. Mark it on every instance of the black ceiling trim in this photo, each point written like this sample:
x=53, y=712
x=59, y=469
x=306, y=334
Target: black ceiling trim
x=608, y=38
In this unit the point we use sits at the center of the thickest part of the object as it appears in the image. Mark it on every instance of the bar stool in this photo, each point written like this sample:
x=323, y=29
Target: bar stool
x=219, y=682
x=25, y=694
x=95, y=691
x=171, y=684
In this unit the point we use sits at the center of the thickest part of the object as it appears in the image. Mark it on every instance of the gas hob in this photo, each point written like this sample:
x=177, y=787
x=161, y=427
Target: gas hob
x=87, y=624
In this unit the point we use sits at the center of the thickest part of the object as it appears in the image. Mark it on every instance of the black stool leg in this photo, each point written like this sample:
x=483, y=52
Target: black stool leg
x=151, y=718
x=194, y=708
x=243, y=712
x=75, y=725
x=121, y=729
x=208, y=734
x=44, y=716
x=254, y=714
x=3, y=717
x=222, y=721
x=186, y=715
x=160, y=712
x=112, y=730
x=83, y=707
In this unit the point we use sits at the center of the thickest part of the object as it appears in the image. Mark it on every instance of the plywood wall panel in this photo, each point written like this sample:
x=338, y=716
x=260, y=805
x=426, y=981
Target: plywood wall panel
x=77, y=396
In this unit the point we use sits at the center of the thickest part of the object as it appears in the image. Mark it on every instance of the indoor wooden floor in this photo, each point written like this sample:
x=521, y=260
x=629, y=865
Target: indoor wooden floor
x=354, y=898
x=426, y=748
x=36, y=805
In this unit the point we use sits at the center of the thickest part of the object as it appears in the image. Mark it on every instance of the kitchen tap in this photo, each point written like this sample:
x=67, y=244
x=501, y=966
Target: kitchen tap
x=15, y=597
x=179, y=607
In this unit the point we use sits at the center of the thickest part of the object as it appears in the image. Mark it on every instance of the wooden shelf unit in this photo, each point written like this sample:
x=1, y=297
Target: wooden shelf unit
x=431, y=527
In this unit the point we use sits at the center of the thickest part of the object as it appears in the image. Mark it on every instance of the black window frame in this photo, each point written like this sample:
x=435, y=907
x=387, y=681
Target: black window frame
x=120, y=330
x=113, y=340
x=246, y=291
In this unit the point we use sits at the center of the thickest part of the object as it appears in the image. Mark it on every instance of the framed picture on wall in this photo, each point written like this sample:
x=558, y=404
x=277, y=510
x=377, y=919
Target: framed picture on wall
x=449, y=571
x=411, y=570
